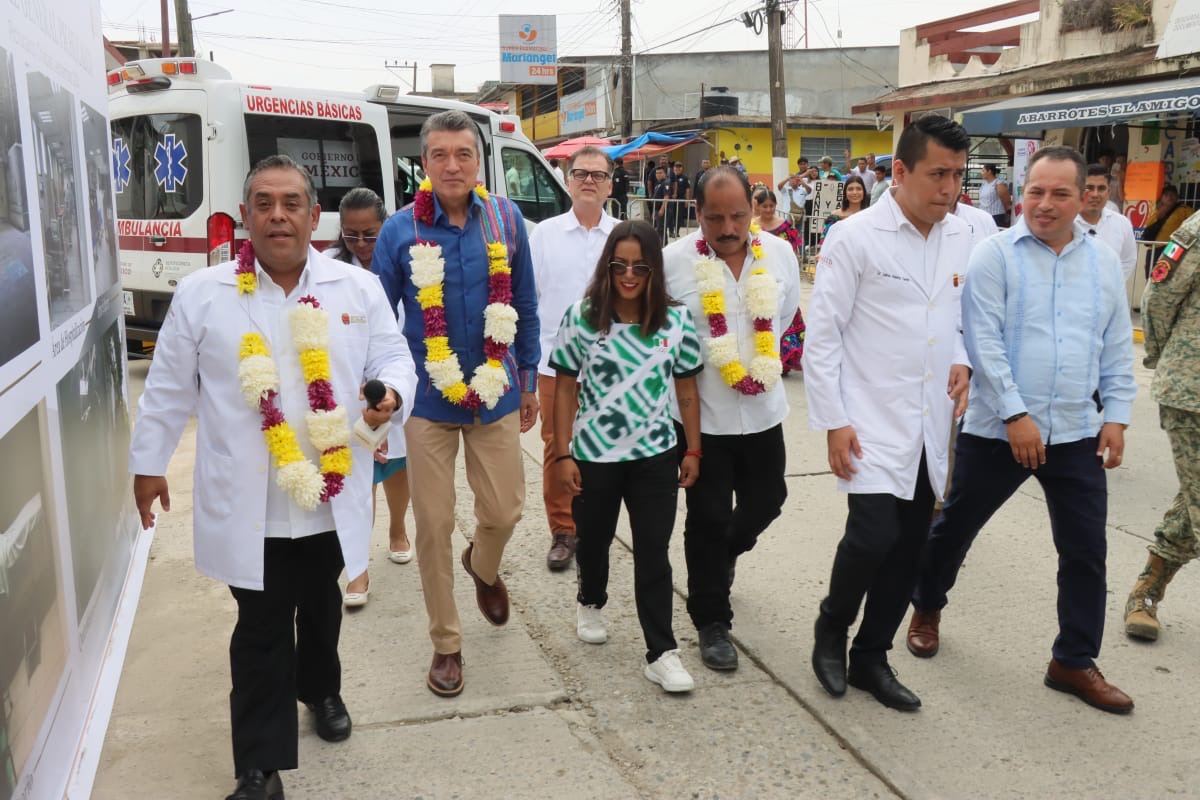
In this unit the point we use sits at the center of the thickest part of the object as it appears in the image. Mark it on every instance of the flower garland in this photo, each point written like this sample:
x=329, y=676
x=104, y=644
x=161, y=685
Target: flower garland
x=328, y=429
x=762, y=301
x=490, y=380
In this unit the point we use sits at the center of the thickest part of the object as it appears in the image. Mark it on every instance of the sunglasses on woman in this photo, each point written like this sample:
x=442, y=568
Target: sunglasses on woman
x=620, y=268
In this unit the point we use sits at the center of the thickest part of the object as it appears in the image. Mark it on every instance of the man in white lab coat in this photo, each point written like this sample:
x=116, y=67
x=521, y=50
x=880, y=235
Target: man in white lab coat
x=885, y=374
x=1110, y=226
x=281, y=341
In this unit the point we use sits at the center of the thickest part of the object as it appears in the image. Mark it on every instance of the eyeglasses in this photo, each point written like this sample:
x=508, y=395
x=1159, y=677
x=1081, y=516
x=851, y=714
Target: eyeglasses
x=351, y=238
x=597, y=176
x=620, y=268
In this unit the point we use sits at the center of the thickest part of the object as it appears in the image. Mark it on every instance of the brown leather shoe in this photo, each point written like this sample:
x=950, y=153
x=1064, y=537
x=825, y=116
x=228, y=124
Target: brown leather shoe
x=1089, y=686
x=492, y=599
x=445, y=674
x=923, y=633
x=561, y=551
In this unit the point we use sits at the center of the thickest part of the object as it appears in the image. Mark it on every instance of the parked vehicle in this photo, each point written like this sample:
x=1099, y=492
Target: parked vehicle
x=185, y=134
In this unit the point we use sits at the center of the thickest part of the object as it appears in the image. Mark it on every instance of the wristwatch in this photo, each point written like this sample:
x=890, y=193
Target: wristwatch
x=1016, y=417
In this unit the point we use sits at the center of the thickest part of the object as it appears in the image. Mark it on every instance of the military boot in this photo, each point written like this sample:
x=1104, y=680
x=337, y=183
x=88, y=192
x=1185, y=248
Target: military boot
x=1141, y=609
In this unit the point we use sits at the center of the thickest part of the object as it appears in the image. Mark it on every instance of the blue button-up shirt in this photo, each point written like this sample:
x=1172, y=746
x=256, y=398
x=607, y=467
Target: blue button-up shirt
x=1048, y=334
x=465, y=297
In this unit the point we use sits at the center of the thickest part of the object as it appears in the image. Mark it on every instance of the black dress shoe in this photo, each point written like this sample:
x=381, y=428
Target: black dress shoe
x=333, y=720
x=716, y=651
x=829, y=658
x=254, y=785
x=880, y=680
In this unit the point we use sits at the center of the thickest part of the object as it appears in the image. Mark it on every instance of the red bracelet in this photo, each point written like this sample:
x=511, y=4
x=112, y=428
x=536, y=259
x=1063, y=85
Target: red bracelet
x=695, y=453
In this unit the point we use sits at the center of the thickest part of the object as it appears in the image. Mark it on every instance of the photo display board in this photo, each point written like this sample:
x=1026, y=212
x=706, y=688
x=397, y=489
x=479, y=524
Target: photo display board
x=68, y=528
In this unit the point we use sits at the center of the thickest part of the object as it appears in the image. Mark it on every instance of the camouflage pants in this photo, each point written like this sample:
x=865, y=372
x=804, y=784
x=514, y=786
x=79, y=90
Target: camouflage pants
x=1177, y=538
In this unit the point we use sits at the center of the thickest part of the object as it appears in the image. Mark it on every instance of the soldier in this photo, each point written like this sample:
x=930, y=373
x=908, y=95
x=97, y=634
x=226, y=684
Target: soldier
x=1171, y=322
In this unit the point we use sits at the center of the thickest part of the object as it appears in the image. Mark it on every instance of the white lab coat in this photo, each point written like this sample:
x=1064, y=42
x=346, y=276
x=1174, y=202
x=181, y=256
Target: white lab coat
x=195, y=370
x=880, y=342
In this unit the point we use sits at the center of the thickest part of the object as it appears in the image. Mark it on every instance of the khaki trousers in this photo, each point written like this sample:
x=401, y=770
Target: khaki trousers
x=496, y=476
x=558, y=502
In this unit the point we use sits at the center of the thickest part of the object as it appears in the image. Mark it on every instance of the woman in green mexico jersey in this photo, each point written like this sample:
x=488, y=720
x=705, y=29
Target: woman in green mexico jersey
x=624, y=346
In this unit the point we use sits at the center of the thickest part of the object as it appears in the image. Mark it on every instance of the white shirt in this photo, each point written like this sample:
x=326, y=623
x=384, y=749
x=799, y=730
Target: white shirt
x=792, y=199
x=884, y=329
x=867, y=175
x=879, y=188
x=979, y=221
x=1116, y=231
x=285, y=519
x=723, y=410
x=564, y=257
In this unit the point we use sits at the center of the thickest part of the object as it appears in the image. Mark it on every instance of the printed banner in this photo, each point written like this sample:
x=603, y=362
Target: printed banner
x=528, y=49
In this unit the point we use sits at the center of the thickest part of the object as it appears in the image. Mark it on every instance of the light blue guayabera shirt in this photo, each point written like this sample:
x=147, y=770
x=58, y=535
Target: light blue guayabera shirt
x=1048, y=334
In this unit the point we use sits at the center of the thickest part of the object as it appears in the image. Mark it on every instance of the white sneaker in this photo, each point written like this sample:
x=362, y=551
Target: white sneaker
x=589, y=625
x=668, y=672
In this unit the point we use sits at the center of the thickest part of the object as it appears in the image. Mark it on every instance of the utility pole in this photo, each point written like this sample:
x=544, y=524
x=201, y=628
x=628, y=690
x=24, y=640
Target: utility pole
x=626, y=74
x=779, y=151
x=396, y=65
x=183, y=21
x=166, y=25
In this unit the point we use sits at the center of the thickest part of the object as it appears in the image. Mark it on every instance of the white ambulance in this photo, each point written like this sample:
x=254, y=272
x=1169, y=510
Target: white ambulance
x=184, y=135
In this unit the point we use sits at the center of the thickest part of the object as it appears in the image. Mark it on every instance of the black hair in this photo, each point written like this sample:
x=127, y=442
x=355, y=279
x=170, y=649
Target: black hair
x=357, y=199
x=1096, y=171
x=866, y=201
x=1062, y=153
x=599, y=305
x=278, y=162
x=719, y=174
x=914, y=140
x=762, y=194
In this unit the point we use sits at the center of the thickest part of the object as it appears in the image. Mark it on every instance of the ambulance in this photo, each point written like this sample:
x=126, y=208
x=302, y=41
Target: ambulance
x=184, y=135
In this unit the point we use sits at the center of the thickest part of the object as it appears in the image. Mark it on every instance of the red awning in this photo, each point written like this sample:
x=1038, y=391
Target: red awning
x=565, y=149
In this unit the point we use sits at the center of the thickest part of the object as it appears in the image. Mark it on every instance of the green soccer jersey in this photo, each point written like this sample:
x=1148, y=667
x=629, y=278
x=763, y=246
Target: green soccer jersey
x=625, y=383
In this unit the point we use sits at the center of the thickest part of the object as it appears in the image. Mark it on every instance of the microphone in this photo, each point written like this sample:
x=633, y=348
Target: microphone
x=373, y=392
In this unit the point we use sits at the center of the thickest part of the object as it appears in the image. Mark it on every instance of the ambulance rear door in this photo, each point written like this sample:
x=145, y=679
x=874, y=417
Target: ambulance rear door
x=339, y=139
x=159, y=154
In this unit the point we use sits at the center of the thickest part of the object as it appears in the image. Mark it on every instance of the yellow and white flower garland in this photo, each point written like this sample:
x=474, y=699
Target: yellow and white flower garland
x=490, y=380
x=762, y=302
x=328, y=428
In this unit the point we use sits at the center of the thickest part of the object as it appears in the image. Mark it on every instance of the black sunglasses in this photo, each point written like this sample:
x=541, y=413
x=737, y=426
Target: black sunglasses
x=620, y=268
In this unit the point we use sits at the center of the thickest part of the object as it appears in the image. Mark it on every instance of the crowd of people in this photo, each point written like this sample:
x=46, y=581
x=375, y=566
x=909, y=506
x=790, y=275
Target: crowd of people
x=651, y=370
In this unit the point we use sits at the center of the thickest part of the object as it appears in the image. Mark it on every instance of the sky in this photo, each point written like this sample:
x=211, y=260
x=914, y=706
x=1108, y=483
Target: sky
x=345, y=44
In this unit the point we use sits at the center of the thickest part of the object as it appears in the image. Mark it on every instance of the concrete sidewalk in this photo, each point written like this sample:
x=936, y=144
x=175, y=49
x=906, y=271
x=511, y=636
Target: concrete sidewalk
x=547, y=716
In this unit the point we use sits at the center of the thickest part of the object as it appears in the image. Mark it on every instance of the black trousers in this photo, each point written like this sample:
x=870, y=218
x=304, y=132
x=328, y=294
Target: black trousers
x=878, y=558
x=284, y=648
x=649, y=488
x=740, y=492
x=1076, y=489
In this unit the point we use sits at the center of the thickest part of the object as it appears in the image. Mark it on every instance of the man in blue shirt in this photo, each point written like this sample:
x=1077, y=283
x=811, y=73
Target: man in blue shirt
x=472, y=325
x=1048, y=332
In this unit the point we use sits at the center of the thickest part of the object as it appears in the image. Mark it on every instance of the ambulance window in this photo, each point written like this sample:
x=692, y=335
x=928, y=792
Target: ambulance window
x=531, y=186
x=158, y=165
x=339, y=156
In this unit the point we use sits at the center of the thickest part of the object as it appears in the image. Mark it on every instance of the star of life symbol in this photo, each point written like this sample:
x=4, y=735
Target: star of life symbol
x=120, y=164
x=169, y=169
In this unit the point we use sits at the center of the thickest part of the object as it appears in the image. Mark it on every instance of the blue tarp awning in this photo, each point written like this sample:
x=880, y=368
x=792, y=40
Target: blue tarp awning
x=661, y=142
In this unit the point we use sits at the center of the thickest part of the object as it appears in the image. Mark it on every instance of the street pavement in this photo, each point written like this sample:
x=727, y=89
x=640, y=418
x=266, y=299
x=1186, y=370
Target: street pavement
x=547, y=716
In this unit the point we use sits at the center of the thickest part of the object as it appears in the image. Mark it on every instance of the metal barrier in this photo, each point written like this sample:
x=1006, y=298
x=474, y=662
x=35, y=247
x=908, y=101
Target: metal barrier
x=676, y=220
